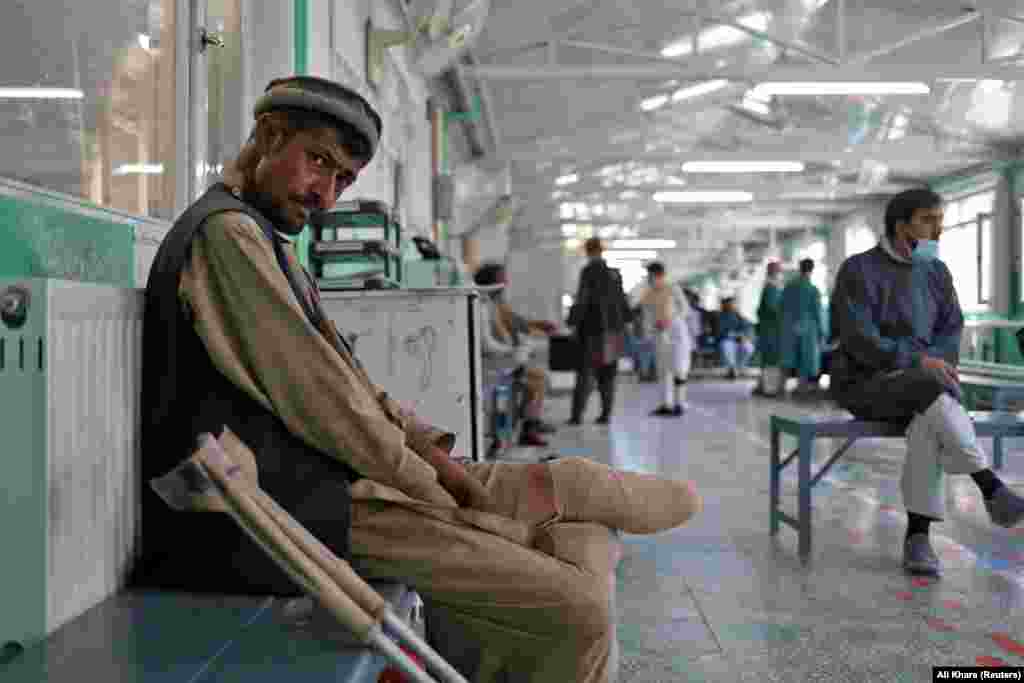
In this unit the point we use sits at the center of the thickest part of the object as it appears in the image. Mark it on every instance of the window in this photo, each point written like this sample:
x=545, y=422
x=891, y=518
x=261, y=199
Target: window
x=860, y=238
x=966, y=247
x=87, y=100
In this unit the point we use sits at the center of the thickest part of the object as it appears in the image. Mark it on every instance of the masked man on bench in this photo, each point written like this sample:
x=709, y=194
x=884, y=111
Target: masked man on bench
x=899, y=325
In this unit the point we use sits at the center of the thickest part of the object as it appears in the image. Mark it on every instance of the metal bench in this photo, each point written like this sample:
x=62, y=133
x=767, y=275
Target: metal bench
x=1001, y=390
x=807, y=428
x=166, y=637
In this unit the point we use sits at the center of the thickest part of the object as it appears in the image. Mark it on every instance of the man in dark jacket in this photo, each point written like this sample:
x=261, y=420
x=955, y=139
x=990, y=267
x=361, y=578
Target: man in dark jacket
x=599, y=315
x=899, y=323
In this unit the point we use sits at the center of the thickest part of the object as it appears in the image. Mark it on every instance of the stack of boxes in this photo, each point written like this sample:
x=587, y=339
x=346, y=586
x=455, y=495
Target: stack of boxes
x=356, y=245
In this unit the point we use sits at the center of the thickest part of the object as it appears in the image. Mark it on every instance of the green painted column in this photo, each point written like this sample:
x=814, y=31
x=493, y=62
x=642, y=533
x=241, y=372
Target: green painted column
x=300, y=20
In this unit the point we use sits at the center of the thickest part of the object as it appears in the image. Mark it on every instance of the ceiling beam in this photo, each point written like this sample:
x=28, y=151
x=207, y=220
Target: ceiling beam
x=916, y=36
x=774, y=73
x=760, y=189
x=909, y=150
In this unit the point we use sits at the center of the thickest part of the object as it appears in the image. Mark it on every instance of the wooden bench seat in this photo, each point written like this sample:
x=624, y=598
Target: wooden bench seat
x=808, y=428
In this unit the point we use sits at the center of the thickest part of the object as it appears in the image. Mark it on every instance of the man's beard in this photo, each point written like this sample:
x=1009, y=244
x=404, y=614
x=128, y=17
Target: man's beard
x=274, y=212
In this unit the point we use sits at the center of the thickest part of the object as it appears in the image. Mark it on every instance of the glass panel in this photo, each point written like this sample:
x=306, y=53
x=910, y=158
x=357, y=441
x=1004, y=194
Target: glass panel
x=860, y=239
x=224, y=89
x=976, y=204
x=985, y=274
x=958, y=248
x=89, y=98
x=951, y=213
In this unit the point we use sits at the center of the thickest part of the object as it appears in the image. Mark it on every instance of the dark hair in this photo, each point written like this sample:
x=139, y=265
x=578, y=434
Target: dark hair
x=593, y=246
x=806, y=265
x=489, y=274
x=656, y=268
x=901, y=208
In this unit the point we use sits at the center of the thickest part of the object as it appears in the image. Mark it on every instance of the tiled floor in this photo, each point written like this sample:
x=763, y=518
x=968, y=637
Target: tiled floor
x=721, y=601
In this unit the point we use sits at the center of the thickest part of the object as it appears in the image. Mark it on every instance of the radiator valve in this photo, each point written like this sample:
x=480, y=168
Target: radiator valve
x=14, y=303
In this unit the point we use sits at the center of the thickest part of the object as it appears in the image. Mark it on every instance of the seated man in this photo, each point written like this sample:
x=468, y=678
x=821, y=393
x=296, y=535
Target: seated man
x=504, y=348
x=898, y=322
x=734, y=332
x=234, y=335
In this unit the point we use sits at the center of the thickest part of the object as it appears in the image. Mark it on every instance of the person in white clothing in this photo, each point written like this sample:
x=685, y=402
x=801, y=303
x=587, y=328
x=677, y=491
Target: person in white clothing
x=668, y=313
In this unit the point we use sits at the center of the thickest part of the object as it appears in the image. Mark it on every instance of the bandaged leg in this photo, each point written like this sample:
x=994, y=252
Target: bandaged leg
x=941, y=440
x=637, y=503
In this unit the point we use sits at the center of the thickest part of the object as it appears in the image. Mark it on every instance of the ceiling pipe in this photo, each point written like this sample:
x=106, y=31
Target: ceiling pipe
x=470, y=124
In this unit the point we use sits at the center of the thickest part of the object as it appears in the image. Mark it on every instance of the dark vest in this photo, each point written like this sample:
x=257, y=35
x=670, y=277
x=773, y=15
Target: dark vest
x=184, y=395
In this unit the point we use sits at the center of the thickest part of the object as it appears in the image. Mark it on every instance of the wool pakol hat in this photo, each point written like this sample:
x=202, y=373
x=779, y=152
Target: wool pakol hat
x=323, y=97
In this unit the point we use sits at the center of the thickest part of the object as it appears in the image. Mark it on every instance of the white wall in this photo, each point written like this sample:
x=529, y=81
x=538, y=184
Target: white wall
x=337, y=51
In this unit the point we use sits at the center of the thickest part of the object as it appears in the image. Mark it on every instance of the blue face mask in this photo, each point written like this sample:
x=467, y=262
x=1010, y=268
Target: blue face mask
x=926, y=250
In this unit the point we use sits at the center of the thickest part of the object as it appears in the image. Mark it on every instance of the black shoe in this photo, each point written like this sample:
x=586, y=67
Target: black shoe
x=545, y=427
x=663, y=411
x=603, y=420
x=733, y=374
x=678, y=410
x=574, y=422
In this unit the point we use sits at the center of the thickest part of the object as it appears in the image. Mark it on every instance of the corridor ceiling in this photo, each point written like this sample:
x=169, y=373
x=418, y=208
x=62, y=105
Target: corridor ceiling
x=593, y=118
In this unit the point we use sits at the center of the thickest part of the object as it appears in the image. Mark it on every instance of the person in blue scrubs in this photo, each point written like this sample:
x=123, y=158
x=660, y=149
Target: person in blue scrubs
x=802, y=328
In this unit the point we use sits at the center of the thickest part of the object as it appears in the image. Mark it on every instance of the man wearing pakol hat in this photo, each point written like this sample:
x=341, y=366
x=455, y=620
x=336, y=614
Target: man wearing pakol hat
x=520, y=556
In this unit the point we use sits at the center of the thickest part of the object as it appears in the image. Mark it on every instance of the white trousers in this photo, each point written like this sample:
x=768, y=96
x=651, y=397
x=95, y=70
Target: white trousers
x=941, y=440
x=674, y=350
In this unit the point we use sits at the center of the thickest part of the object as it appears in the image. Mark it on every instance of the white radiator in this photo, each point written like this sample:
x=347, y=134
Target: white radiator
x=70, y=371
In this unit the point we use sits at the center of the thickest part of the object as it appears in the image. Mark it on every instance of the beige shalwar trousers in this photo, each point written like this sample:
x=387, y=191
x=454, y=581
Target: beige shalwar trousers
x=542, y=608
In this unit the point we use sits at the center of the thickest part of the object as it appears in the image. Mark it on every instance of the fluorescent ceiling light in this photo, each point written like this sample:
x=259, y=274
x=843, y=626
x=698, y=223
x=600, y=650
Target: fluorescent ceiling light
x=697, y=197
x=630, y=255
x=567, y=179
x=653, y=102
x=719, y=36
x=705, y=88
x=743, y=167
x=763, y=90
x=146, y=169
x=644, y=244
x=40, y=94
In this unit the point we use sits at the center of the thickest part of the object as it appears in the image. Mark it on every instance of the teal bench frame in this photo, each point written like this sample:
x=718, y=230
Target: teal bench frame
x=807, y=428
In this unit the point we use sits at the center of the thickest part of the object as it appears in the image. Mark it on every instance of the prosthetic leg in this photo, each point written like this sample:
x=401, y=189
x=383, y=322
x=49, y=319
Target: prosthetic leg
x=211, y=480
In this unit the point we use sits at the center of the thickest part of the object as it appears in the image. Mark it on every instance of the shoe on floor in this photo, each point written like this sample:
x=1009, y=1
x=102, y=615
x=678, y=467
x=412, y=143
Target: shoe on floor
x=1006, y=508
x=603, y=420
x=663, y=411
x=677, y=410
x=574, y=422
x=532, y=439
x=546, y=427
x=732, y=374
x=919, y=557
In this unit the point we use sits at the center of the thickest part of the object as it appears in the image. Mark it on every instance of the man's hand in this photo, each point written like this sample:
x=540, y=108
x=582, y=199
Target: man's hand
x=544, y=326
x=947, y=372
x=467, y=491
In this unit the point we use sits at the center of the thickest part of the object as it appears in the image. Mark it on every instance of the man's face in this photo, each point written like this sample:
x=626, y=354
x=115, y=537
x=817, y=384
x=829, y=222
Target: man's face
x=727, y=306
x=308, y=173
x=925, y=224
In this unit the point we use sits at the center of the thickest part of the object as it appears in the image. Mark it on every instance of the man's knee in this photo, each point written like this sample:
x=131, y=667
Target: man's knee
x=588, y=609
